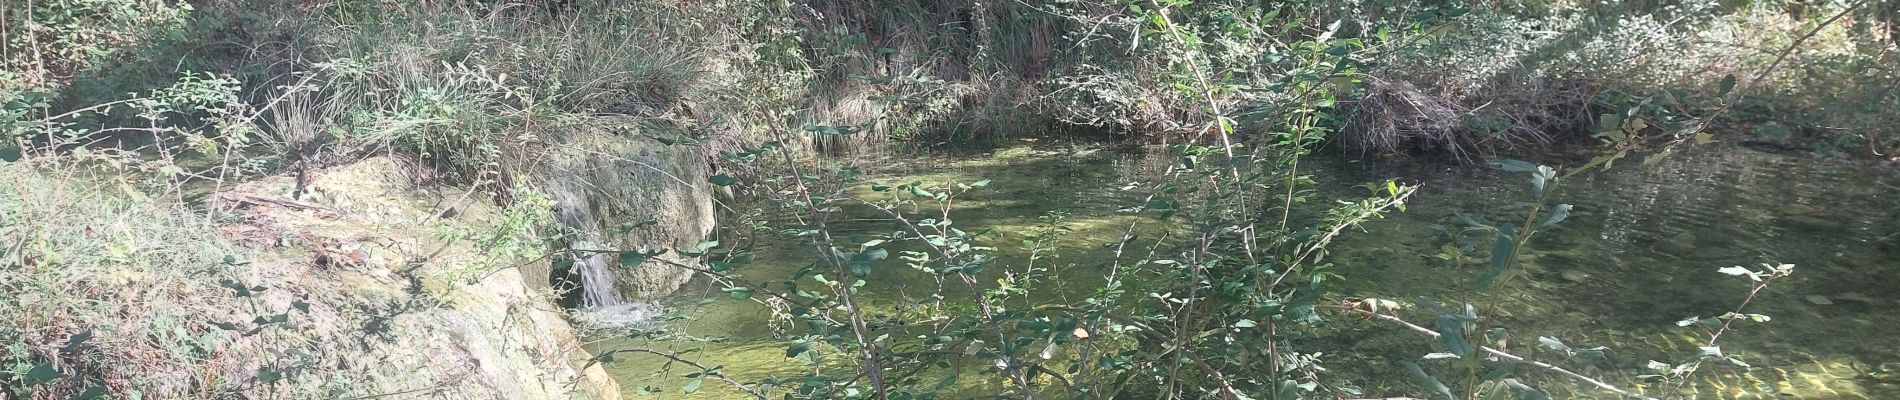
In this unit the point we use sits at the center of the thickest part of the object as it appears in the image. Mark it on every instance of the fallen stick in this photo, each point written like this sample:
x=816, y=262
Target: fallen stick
x=239, y=198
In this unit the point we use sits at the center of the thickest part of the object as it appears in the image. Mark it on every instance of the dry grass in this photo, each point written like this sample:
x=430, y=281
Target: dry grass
x=153, y=282
x=1517, y=112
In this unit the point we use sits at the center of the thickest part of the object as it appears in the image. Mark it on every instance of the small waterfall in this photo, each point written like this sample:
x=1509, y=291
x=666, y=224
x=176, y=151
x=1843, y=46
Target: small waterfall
x=597, y=281
x=594, y=269
x=605, y=184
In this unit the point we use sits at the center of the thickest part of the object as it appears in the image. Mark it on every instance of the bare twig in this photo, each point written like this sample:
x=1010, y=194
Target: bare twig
x=1729, y=99
x=675, y=357
x=1504, y=355
x=240, y=199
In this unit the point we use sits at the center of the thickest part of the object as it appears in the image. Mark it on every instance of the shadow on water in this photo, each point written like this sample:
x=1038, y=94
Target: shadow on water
x=1638, y=254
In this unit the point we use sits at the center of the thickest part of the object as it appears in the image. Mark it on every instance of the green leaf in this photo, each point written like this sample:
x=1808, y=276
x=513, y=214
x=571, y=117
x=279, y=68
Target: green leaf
x=239, y=287
x=1711, y=352
x=73, y=342
x=738, y=292
x=1524, y=392
x=1452, y=332
x=947, y=382
x=629, y=259
x=1553, y=344
x=1439, y=390
x=1036, y=325
x=1727, y=85
x=1515, y=165
x=1500, y=257
x=92, y=392
x=9, y=153
x=1557, y=214
x=920, y=192
x=1506, y=369
x=691, y=386
x=700, y=249
x=41, y=374
x=1610, y=124
x=723, y=180
x=1541, y=176
x=799, y=347
x=1287, y=390
x=980, y=183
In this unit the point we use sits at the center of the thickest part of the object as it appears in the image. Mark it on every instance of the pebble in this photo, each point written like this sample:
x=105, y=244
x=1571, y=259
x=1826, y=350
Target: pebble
x=1857, y=297
x=1819, y=299
x=1575, y=275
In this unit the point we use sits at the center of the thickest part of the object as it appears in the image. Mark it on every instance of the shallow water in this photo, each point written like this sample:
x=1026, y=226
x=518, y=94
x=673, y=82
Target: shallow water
x=1639, y=252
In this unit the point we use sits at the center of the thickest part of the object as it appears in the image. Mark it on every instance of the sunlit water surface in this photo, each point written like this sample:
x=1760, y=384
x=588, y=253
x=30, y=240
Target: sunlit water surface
x=1639, y=252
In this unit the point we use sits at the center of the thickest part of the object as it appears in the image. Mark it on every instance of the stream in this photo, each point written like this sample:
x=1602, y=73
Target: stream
x=1639, y=252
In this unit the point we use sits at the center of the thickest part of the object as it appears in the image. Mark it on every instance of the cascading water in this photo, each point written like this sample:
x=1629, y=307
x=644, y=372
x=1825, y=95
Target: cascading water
x=597, y=282
x=596, y=279
x=612, y=194
x=601, y=306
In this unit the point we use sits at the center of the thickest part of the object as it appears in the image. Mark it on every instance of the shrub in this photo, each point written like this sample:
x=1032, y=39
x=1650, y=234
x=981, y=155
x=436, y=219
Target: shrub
x=118, y=295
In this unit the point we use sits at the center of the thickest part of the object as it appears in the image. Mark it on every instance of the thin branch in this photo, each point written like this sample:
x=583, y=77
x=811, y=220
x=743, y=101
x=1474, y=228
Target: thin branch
x=702, y=367
x=1509, y=356
x=1729, y=100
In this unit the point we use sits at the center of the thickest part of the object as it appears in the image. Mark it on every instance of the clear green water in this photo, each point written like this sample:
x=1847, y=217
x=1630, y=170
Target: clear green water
x=1638, y=253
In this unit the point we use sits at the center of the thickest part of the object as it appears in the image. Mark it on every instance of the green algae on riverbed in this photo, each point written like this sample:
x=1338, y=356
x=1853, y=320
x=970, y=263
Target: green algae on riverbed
x=1638, y=254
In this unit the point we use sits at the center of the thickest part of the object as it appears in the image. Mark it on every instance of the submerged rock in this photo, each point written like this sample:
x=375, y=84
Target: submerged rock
x=1857, y=297
x=1810, y=223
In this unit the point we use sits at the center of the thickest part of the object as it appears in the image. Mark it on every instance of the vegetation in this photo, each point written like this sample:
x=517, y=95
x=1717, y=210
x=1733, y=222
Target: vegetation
x=127, y=126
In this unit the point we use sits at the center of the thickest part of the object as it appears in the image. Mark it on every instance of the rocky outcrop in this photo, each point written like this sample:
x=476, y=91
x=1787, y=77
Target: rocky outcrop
x=417, y=291
x=617, y=193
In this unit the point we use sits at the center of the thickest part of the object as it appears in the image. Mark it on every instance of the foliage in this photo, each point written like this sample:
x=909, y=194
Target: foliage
x=50, y=43
x=45, y=264
x=1524, y=77
x=1215, y=289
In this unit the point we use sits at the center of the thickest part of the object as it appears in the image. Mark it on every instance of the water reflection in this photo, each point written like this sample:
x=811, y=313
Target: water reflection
x=1638, y=253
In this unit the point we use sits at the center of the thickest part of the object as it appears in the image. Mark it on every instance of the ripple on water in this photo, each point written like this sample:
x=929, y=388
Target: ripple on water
x=1639, y=253
x=620, y=317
